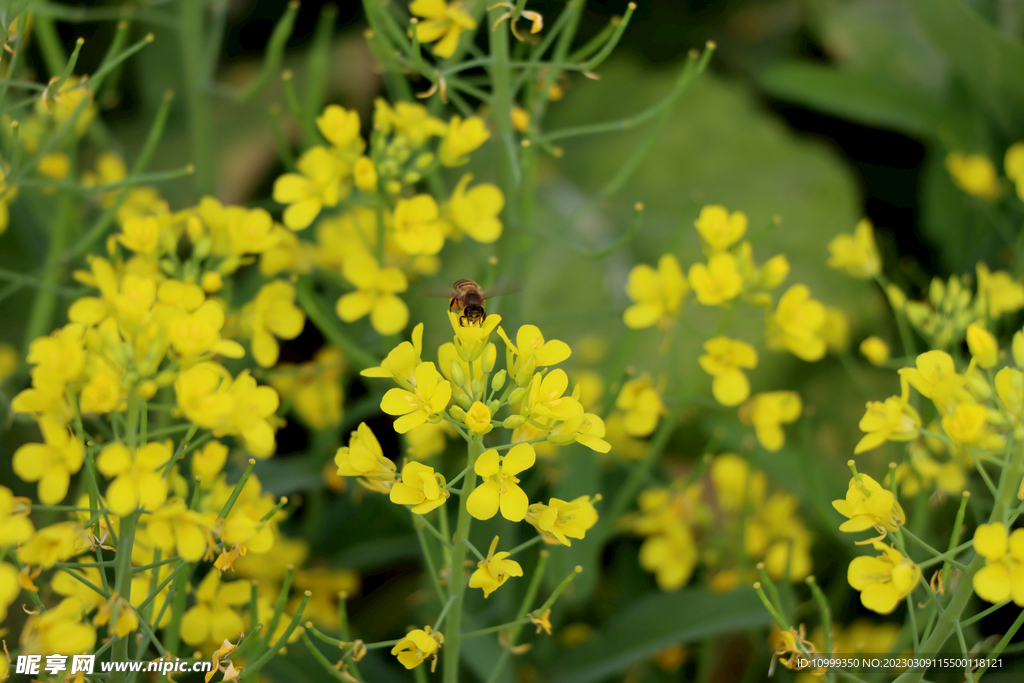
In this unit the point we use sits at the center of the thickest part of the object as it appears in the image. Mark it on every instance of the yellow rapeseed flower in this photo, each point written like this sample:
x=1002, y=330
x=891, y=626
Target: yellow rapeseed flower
x=796, y=325
x=363, y=457
x=174, y=528
x=936, y=378
x=418, y=228
x=868, y=505
x=215, y=617
x=428, y=399
x=891, y=420
x=1003, y=293
x=50, y=463
x=718, y=282
x=375, y=295
x=499, y=488
x=767, y=412
x=885, y=580
x=272, y=313
x=857, y=254
x=875, y=350
x=725, y=359
x=1002, y=576
x=658, y=295
x=1013, y=164
x=560, y=520
x=52, y=544
x=478, y=418
x=59, y=631
x=975, y=174
x=138, y=478
x=531, y=351
x=475, y=212
x=421, y=644
x=15, y=523
x=196, y=334
x=461, y=138
x=983, y=346
x=642, y=404
x=493, y=571
x=720, y=229
x=421, y=487
x=318, y=183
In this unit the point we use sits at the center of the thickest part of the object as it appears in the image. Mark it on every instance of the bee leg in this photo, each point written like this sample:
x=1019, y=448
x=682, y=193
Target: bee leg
x=462, y=321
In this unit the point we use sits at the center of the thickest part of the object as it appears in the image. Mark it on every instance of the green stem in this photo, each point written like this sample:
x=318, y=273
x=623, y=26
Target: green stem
x=122, y=585
x=190, y=34
x=453, y=642
x=330, y=326
x=45, y=304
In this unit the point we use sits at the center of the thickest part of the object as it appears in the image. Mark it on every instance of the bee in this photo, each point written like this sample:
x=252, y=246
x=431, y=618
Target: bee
x=467, y=297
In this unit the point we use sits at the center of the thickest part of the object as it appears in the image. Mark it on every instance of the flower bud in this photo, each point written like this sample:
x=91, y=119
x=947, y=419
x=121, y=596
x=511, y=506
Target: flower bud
x=493, y=406
x=517, y=395
x=146, y=389
x=458, y=374
x=561, y=439
x=489, y=356
x=457, y=413
x=465, y=401
x=498, y=381
x=982, y=345
x=513, y=421
x=897, y=297
x=202, y=247
x=524, y=374
x=476, y=386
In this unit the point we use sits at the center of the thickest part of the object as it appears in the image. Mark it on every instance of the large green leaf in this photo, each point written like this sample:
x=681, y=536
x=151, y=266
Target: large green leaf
x=990, y=62
x=859, y=96
x=653, y=623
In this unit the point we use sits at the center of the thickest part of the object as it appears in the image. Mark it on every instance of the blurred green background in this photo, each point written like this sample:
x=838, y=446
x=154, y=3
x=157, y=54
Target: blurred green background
x=818, y=112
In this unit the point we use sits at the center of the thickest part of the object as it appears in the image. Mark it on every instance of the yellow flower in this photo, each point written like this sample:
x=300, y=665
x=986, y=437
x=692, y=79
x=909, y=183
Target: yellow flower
x=658, y=295
x=717, y=282
x=250, y=231
x=1002, y=576
x=340, y=126
x=197, y=334
x=478, y=418
x=875, y=350
x=428, y=399
x=891, y=420
x=1014, y=165
x=427, y=440
x=420, y=644
x=587, y=429
x=10, y=359
x=50, y=463
x=983, y=346
x=868, y=505
x=885, y=580
x=472, y=340
x=966, y=423
x=642, y=403
x=671, y=556
x=314, y=388
x=421, y=487
x=836, y=330
x=317, y=184
x=974, y=174
x=1003, y=293
x=1009, y=383
x=418, y=228
x=736, y=485
x=461, y=138
x=272, y=313
x=214, y=617
x=141, y=234
x=725, y=360
x=796, y=325
x=776, y=535
x=560, y=520
x=58, y=631
x=402, y=361
x=494, y=571
x=857, y=254
x=365, y=175
x=174, y=528
x=475, y=212
x=363, y=457
x=767, y=412
x=124, y=623
x=720, y=229
x=545, y=400
x=138, y=479
x=531, y=351
x=500, y=486
x=15, y=524
x=936, y=378
x=52, y=544
x=10, y=589
x=202, y=393
x=375, y=295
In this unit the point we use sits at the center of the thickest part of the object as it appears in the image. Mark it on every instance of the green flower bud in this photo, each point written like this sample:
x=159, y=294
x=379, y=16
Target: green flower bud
x=458, y=413
x=493, y=406
x=561, y=439
x=458, y=374
x=498, y=381
x=517, y=395
x=513, y=421
x=524, y=374
x=490, y=354
x=465, y=401
x=477, y=387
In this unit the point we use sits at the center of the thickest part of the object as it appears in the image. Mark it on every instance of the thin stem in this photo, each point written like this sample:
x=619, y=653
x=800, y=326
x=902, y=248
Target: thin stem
x=190, y=36
x=526, y=544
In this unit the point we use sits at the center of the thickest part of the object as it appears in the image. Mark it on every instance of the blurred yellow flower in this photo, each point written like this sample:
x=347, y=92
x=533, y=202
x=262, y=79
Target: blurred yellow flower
x=966, y=424
x=1003, y=293
x=983, y=346
x=642, y=404
x=671, y=556
x=725, y=359
x=857, y=254
x=375, y=295
x=138, y=480
x=272, y=313
x=936, y=378
x=891, y=420
x=363, y=457
x=317, y=184
x=796, y=325
x=885, y=580
x=1014, y=166
x=59, y=631
x=975, y=174
x=214, y=616
x=174, y=528
x=875, y=350
x=461, y=138
x=196, y=334
x=15, y=523
x=50, y=463
x=475, y=212
x=868, y=505
x=52, y=544
x=658, y=295
x=717, y=282
x=720, y=229
x=767, y=412
x=417, y=225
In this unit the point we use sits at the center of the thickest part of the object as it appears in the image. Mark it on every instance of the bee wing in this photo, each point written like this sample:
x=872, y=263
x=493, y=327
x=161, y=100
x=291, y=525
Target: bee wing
x=434, y=290
x=502, y=288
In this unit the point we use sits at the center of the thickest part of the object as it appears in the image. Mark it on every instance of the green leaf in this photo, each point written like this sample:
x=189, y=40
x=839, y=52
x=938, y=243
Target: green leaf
x=871, y=100
x=990, y=62
x=653, y=623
